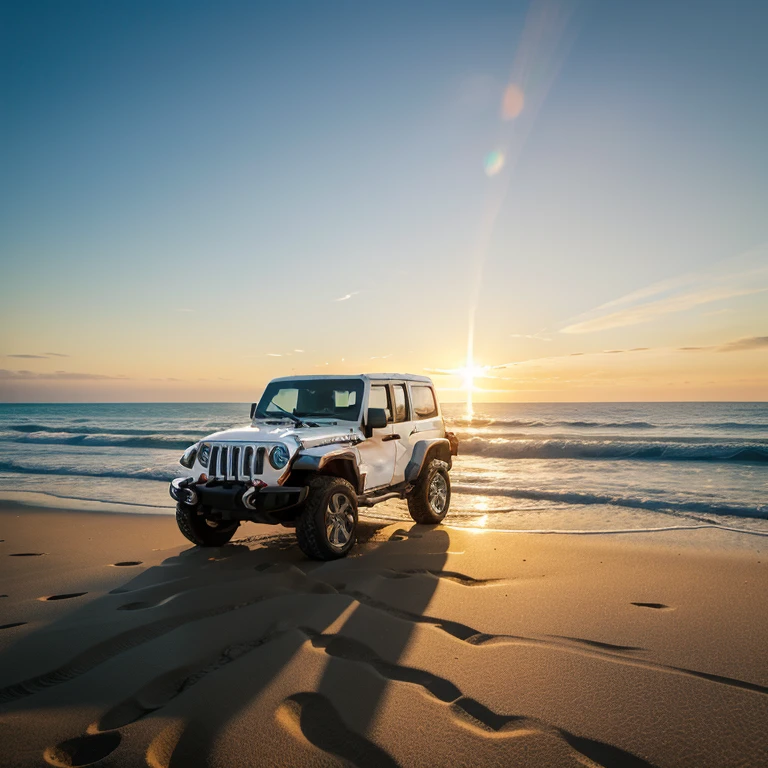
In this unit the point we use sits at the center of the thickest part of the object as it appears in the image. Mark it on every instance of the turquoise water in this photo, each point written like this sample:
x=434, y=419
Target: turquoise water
x=540, y=466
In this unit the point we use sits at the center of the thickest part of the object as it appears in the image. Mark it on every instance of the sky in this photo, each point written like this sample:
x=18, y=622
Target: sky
x=545, y=201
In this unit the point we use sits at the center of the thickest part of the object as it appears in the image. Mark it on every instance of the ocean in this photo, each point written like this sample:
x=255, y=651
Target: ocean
x=522, y=466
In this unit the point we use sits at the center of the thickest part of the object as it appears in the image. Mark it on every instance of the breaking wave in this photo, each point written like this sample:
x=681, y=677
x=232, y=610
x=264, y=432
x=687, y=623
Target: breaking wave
x=148, y=473
x=634, y=502
x=615, y=449
x=582, y=424
x=105, y=439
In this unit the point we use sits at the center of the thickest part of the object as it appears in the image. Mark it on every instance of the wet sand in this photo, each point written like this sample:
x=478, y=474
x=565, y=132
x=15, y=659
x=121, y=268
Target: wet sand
x=121, y=645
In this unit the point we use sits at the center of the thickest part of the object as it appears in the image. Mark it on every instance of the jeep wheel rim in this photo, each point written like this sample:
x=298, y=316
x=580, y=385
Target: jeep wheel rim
x=438, y=494
x=339, y=520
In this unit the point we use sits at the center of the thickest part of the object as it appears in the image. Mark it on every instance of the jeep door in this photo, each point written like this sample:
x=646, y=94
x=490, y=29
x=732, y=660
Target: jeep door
x=377, y=453
x=417, y=417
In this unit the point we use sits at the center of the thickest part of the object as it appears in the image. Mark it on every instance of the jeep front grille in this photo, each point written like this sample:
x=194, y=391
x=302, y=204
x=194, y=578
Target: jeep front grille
x=236, y=462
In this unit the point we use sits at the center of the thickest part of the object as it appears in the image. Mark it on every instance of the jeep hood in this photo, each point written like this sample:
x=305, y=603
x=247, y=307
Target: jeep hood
x=265, y=433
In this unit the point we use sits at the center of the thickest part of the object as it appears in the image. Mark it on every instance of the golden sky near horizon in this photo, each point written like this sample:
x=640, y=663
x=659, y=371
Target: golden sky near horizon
x=693, y=337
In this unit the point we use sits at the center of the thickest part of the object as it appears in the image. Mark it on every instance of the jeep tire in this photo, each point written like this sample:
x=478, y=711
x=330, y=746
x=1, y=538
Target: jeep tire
x=327, y=526
x=202, y=530
x=430, y=498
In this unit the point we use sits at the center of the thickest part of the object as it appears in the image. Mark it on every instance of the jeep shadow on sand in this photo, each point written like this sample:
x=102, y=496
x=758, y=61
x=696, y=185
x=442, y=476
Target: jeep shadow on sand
x=317, y=448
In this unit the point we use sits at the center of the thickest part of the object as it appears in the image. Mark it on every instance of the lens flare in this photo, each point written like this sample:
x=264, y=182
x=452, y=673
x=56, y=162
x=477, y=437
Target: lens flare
x=494, y=162
x=513, y=102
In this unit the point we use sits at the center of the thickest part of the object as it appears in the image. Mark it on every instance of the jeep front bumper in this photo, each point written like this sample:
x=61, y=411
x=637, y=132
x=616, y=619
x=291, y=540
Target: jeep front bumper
x=238, y=500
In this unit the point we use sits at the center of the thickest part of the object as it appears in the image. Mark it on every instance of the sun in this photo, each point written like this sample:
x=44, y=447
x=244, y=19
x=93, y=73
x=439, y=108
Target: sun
x=468, y=374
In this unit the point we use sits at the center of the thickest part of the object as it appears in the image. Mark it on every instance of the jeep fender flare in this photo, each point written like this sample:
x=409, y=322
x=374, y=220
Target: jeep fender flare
x=341, y=463
x=423, y=452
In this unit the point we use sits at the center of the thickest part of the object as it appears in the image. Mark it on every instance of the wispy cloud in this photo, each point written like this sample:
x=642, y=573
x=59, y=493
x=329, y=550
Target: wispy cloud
x=739, y=345
x=381, y=357
x=744, y=276
x=300, y=351
x=742, y=345
x=43, y=356
x=55, y=376
x=274, y=354
x=536, y=336
x=347, y=296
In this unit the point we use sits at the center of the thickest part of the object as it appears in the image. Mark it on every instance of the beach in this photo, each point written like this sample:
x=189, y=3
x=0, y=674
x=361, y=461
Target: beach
x=435, y=646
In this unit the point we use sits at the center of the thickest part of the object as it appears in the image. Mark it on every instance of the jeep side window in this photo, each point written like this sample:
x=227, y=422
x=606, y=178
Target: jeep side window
x=401, y=407
x=380, y=399
x=424, y=405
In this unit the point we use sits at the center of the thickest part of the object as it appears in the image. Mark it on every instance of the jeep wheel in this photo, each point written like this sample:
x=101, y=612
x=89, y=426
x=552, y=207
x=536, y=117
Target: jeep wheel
x=430, y=498
x=327, y=526
x=202, y=530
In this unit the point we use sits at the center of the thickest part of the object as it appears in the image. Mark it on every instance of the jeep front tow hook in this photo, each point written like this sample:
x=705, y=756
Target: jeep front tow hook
x=248, y=498
x=181, y=492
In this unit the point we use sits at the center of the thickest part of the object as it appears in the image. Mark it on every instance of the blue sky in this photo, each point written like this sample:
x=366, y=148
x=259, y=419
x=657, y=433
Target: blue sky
x=213, y=176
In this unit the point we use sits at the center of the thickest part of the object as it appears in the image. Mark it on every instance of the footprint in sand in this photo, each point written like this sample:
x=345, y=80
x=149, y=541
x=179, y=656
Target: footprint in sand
x=401, y=534
x=313, y=716
x=142, y=604
x=657, y=606
x=62, y=597
x=82, y=750
x=26, y=554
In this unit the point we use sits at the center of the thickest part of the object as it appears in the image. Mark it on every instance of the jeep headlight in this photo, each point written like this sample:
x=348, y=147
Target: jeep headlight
x=204, y=456
x=278, y=456
x=188, y=458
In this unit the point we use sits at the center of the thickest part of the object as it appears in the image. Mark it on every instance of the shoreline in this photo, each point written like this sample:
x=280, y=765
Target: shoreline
x=516, y=648
x=697, y=535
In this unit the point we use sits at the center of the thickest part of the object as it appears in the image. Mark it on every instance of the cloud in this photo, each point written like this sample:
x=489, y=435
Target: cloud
x=55, y=376
x=739, y=345
x=44, y=356
x=300, y=351
x=742, y=345
x=536, y=336
x=347, y=296
x=744, y=276
x=644, y=313
x=274, y=354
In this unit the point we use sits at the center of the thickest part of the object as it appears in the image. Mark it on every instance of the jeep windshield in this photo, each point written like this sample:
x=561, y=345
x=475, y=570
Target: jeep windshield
x=338, y=399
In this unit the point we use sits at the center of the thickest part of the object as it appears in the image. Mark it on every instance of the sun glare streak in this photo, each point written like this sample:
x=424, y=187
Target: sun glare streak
x=545, y=40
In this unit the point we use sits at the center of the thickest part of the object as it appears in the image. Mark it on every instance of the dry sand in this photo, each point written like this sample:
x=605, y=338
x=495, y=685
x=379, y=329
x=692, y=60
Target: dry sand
x=427, y=647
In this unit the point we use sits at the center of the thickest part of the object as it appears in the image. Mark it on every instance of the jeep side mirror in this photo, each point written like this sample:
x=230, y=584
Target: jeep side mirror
x=253, y=410
x=376, y=418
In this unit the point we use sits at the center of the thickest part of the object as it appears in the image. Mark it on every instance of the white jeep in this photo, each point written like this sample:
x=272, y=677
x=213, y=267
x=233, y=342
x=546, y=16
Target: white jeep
x=317, y=448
